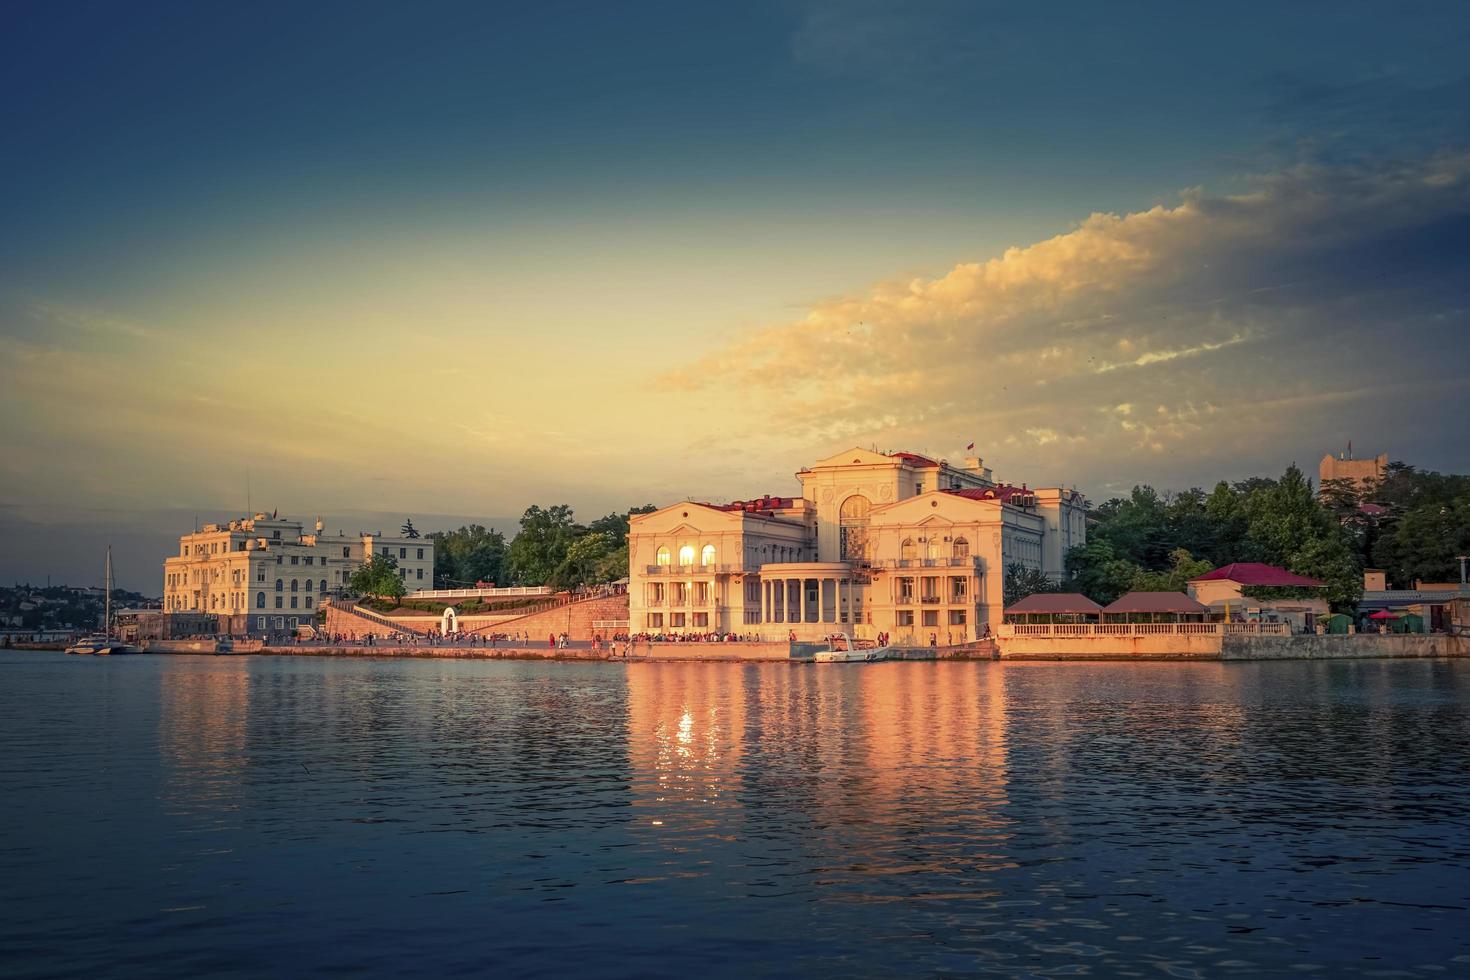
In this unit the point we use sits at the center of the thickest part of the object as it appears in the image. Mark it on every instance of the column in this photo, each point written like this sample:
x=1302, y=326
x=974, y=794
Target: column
x=799, y=586
x=765, y=613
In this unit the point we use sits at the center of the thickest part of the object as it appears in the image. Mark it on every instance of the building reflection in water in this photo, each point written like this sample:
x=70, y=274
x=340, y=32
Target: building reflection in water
x=204, y=714
x=883, y=781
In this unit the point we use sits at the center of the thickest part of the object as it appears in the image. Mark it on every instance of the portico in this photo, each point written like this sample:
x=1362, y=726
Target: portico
x=810, y=594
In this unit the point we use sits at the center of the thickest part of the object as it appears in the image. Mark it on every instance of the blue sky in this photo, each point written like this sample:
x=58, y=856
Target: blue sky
x=567, y=213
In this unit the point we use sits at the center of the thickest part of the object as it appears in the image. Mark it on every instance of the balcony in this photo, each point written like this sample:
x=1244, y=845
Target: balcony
x=692, y=569
x=968, y=561
x=928, y=599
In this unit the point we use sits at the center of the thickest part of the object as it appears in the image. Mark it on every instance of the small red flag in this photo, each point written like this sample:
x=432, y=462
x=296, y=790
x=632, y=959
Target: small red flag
x=970, y=446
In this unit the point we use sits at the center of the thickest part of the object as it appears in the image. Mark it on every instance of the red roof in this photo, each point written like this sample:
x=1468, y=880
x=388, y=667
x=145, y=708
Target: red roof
x=1002, y=492
x=913, y=459
x=1255, y=573
x=1156, y=602
x=759, y=505
x=1055, y=602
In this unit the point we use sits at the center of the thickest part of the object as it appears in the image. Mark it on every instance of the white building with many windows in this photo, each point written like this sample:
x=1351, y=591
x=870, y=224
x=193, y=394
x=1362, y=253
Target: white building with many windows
x=266, y=574
x=877, y=542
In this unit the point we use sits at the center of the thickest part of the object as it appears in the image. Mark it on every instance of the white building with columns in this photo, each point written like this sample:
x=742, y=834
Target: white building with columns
x=877, y=542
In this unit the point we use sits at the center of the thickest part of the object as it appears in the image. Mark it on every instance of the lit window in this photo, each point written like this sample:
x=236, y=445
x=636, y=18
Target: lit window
x=908, y=551
x=663, y=556
x=686, y=555
x=707, y=555
x=961, y=548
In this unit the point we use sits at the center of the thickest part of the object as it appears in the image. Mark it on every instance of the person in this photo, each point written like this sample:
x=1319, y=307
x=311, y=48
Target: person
x=551, y=640
x=933, y=640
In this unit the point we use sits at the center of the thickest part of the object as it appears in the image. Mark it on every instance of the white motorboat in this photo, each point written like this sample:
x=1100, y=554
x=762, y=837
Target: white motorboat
x=843, y=649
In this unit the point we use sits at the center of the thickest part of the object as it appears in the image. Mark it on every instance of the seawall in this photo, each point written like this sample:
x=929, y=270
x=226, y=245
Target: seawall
x=1233, y=647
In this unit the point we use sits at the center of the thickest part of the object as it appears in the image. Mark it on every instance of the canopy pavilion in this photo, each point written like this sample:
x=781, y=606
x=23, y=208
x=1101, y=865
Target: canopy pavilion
x=1223, y=590
x=1155, y=607
x=1053, y=607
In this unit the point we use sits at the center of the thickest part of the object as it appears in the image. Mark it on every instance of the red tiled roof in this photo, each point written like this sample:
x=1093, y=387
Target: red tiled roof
x=1256, y=573
x=1003, y=492
x=1156, y=602
x=756, y=506
x=1055, y=602
x=914, y=459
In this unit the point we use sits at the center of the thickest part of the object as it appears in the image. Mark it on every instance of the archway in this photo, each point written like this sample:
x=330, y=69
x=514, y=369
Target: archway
x=449, y=622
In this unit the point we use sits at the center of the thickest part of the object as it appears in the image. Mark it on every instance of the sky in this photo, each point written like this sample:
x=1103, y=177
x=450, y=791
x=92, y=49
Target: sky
x=372, y=260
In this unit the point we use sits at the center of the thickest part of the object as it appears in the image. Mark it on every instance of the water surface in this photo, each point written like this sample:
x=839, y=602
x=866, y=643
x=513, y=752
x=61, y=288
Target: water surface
x=252, y=816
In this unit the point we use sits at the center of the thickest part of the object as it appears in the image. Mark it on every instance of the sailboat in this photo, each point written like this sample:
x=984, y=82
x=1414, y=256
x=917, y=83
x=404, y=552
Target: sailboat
x=102, y=644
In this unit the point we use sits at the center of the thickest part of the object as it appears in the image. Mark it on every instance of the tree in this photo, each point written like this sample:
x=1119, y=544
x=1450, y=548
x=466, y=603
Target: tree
x=1099, y=573
x=1424, y=544
x=378, y=576
x=587, y=561
x=541, y=546
x=1183, y=567
x=1021, y=581
x=469, y=555
x=408, y=530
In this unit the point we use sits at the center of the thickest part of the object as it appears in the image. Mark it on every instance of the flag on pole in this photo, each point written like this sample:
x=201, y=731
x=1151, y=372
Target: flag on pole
x=970, y=446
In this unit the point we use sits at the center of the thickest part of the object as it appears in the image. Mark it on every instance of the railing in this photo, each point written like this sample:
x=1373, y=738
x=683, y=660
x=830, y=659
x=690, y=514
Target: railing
x=966, y=561
x=615, y=625
x=1144, y=629
x=691, y=569
x=507, y=593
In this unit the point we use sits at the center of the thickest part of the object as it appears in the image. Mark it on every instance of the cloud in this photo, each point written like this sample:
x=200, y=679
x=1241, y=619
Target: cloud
x=1213, y=307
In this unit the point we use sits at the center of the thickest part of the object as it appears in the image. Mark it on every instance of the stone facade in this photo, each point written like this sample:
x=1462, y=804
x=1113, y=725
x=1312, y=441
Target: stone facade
x=877, y=543
x=266, y=574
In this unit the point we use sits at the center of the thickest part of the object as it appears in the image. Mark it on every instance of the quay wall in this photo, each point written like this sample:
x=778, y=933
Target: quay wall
x=1147, y=647
x=1360, y=647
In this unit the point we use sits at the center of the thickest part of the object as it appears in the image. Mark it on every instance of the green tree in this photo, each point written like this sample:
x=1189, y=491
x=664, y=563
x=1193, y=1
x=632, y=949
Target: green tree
x=1021, y=581
x=378, y=576
x=1425, y=542
x=1098, y=572
x=471, y=554
x=541, y=546
x=1182, y=568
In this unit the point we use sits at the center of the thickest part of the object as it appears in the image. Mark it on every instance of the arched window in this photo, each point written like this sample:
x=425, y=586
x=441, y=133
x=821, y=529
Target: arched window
x=279, y=585
x=294, y=585
x=707, y=555
x=907, y=551
x=931, y=547
x=260, y=600
x=324, y=585
x=961, y=548
x=686, y=555
x=852, y=522
x=663, y=556
x=308, y=585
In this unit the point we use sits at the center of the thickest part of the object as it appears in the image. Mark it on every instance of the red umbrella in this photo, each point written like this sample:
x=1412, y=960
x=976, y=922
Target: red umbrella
x=1384, y=614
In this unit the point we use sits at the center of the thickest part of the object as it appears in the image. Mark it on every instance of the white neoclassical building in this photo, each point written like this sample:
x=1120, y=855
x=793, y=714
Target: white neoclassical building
x=266, y=574
x=877, y=542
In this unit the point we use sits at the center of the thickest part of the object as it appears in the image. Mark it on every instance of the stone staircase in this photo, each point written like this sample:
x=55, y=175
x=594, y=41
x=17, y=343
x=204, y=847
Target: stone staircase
x=355, y=621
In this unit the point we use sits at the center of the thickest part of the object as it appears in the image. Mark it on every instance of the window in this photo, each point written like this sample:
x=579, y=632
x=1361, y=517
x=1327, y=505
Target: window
x=958, y=588
x=421, y=555
x=904, y=617
x=280, y=622
x=308, y=585
x=295, y=585
x=931, y=617
x=905, y=590
x=260, y=622
x=260, y=575
x=676, y=620
x=308, y=602
x=346, y=551
x=278, y=602
x=961, y=548
x=655, y=621
x=260, y=600
x=278, y=559
x=707, y=555
x=419, y=574
x=701, y=619
x=663, y=556
x=309, y=559
x=852, y=521
x=280, y=585
x=931, y=547
x=402, y=552
x=293, y=602
x=686, y=555
x=294, y=559
x=907, y=551
x=324, y=585
x=276, y=535
x=957, y=617
x=385, y=552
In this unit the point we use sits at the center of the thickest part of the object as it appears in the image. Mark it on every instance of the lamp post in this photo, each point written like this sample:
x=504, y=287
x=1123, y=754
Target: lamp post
x=1462, y=559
